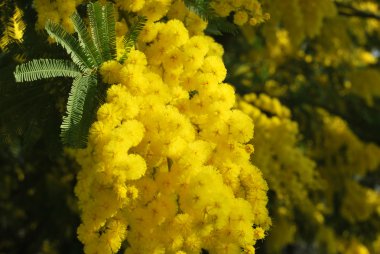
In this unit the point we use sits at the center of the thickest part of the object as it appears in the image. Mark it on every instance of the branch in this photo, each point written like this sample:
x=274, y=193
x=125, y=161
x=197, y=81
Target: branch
x=350, y=11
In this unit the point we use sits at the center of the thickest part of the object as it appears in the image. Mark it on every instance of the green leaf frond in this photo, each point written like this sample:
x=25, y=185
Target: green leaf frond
x=216, y=25
x=96, y=45
x=202, y=8
x=219, y=25
x=68, y=42
x=131, y=38
x=85, y=40
x=13, y=30
x=45, y=68
x=95, y=15
x=81, y=107
x=109, y=30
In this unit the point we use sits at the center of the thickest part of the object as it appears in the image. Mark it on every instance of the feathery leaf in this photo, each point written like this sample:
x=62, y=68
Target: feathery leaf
x=216, y=25
x=219, y=25
x=69, y=43
x=202, y=8
x=81, y=107
x=13, y=30
x=85, y=39
x=95, y=16
x=109, y=28
x=131, y=38
x=45, y=68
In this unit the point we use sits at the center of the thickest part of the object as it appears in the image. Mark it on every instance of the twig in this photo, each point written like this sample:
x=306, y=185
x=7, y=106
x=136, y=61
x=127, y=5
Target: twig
x=350, y=11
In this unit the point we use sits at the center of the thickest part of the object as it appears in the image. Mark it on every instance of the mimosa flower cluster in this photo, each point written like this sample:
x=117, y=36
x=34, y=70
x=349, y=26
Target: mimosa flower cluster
x=167, y=168
x=369, y=89
x=58, y=11
x=345, y=157
x=290, y=173
x=320, y=20
x=243, y=11
x=302, y=19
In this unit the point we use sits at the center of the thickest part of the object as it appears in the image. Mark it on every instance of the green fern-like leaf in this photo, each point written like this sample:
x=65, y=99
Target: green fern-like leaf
x=202, y=8
x=131, y=38
x=69, y=43
x=88, y=53
x=45, y=68
x=108, y=30
x=218, y=26
x=85, y=40
x=81, y=107
x=95, y=15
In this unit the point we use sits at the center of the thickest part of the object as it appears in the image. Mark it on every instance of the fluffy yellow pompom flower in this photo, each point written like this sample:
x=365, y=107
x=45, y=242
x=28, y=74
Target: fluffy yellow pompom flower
x=167, y=165
x=58, y=11
x=242, y=10
x=240, y=18
x=110, y=71
x=155, y=9
x=282, y=161
x=131, y=5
